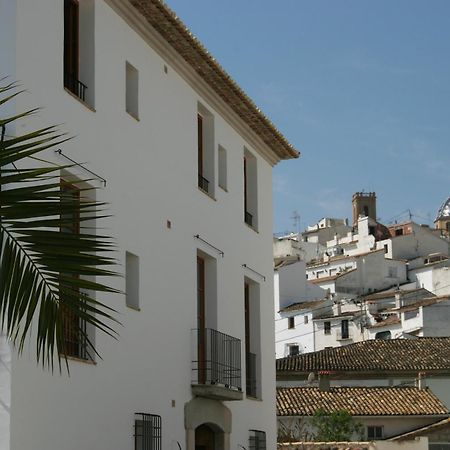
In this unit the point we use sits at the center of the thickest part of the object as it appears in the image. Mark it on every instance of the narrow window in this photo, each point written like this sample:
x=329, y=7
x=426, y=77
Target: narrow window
x=79, y=49
x=205, y=150
x=327, y=327
x=291, y=322
x=386, y=248
x=305, y=319
x=252, y=338
x=147, y=432
x=250, y=190
x=74, y=328
x=257, y=440
x=344, y=329
x=132, y=90
x=132, y=280
x=222, y=168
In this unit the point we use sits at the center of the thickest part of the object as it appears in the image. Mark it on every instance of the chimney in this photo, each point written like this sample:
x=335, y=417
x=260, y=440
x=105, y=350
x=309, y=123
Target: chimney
x=398, y=301
x=421, y=380
x=324, y=381
x=337, y=309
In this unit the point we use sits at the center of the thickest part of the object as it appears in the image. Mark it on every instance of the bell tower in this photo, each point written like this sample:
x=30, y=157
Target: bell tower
x=364, y=204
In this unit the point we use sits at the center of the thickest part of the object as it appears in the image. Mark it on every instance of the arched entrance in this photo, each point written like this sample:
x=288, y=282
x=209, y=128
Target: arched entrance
x=208, y=425
x=205, y=438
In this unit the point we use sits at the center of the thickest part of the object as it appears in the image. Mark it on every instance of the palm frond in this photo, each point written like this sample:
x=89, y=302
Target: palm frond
x=47, y=273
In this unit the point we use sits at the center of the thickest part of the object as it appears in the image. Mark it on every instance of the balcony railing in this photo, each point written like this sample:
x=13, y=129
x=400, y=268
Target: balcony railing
x=203, y=183
x=340, y=336
x=248, y=218
x=250, y=375
x=217, y=359
x=75, y=86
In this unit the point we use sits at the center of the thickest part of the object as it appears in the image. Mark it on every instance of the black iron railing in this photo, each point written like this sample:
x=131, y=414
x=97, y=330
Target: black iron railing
x=250, y=375
x=147, y=431
x=203, y=183
x=218, y=359
x=75, y=86
x=248, y=218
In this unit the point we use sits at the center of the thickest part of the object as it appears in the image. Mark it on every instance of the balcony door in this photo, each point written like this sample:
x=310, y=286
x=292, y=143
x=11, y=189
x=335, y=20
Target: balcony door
x=201, y=320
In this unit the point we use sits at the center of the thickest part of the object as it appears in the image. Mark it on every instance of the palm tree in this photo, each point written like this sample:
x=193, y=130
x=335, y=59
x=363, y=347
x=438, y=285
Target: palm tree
x=46, y=267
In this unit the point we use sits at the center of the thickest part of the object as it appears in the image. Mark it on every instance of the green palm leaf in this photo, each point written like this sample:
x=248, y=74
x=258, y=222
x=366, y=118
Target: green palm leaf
x=46, y=272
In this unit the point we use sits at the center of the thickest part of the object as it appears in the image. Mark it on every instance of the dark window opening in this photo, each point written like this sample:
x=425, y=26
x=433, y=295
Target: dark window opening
x=327, y=327
x=374, y=432
x=147, y=432
x=399, y=232
x=344, y=329
x=294, y=350
x=257, y=440
x=291, y=322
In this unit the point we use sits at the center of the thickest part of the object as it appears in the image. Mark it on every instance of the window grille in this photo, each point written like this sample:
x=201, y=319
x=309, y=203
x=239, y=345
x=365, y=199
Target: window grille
x=257, y=440
x=147, y=432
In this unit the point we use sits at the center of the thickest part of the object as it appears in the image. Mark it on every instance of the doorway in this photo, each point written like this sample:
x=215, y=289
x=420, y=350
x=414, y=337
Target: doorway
x=204, y=438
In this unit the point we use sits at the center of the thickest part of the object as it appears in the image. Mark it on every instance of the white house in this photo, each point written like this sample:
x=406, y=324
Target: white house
x=184, y=158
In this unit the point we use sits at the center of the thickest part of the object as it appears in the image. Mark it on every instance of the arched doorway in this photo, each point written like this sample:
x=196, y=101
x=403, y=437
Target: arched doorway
x=205, y=438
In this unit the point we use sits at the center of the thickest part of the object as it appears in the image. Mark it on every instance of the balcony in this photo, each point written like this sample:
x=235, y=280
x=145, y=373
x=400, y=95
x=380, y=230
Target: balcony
x=203, y=183
x=216, y=365
x=250, y=375
x=75, y=86
x=343, y=336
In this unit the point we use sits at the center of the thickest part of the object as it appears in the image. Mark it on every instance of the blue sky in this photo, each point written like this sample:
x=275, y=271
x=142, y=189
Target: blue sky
x=360, y=87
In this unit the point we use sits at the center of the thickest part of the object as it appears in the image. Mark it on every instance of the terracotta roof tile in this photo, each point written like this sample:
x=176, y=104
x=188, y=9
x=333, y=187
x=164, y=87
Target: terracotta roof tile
x=170, y=27
x=391, y=320
x=422, y=302
x=359, y=401
x=301, y=306
x=396, y=355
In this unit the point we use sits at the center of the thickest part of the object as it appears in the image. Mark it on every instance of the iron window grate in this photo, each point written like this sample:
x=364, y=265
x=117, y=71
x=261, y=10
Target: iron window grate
x=147, y=431
x=257, y=440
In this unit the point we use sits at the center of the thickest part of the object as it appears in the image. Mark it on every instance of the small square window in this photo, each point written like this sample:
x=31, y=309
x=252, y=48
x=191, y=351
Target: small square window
x=374, y=432
x=291, y=322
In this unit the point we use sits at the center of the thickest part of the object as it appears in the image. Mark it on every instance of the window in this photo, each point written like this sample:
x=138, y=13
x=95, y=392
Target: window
x=327, y=327
x=250, y=190
x=252, y=338
x=305, y=319
x=411, y=314
x=291, y=322
x=386, y=248
x=205, y=150
x=79, y=68
x=257, y=440
x=132, y=90
x=293, y=349
x=366, y=210
x=399, y=232
x=132, y=280
x=74, y=328
x=344, y=329
x=147, y=432
x=374, y=432
x=222, y=168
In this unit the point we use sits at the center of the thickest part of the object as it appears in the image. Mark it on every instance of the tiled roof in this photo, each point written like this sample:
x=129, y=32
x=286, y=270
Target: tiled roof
x=391, y=320
x=422, y=302
x=391, y=294
x=305, y=445
x=332, y=277
x=359, y=401
x=301, y=306
x=349, y=314
x=170, y=27
x=396, y=355
x=423, y=431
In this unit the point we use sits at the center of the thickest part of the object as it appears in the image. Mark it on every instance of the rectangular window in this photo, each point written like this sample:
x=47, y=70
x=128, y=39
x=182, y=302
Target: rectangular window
x=344, y=329
x=257, y=440
x=222, y=168
x=374, y=432
x=327, y=327
x=291, y=322
x=305, y=319
x=79, y=48
x=250, y=190
x=74, y=328
x=132, y=90
x=386, y=248
x=205, y=150
x=252, y=339
x=147, y=432
x=294, y=349
x=132, y=280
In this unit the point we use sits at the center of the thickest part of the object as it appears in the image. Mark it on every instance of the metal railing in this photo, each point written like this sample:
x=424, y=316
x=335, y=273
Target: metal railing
x=217, y=359
x=75, y=86
x=342, y=336
x=248, y=218
x=147, y=431
x=203, y=183
x=250, y=375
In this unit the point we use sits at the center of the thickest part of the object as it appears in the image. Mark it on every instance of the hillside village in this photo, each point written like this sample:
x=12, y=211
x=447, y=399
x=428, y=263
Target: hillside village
x=362, y=314
x=228, y=338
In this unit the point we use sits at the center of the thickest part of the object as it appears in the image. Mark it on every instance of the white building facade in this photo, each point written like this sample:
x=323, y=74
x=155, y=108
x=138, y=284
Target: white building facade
x=188, y=177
